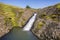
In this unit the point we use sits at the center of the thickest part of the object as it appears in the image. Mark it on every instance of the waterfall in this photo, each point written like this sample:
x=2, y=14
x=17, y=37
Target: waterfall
x=28, y=26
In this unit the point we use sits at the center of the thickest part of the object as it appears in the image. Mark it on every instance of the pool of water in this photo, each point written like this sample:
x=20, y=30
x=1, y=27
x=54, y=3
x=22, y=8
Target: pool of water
x=18, y=34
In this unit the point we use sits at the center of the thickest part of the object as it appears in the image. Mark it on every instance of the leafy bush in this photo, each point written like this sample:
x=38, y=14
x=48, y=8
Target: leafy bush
x=28, y=6
x=40, y=24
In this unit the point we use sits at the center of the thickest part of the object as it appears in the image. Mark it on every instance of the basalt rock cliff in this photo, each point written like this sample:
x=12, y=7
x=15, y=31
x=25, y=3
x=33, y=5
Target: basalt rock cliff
x=47, y=25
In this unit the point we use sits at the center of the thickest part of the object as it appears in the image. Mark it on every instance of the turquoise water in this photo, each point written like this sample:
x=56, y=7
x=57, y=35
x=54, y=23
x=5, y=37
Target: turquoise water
x=18, y=34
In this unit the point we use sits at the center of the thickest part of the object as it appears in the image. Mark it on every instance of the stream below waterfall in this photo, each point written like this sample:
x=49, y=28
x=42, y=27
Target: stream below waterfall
x=19, y=34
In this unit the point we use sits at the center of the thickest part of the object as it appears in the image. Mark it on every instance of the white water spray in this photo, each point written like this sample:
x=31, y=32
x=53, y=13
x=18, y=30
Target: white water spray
x=30, y=23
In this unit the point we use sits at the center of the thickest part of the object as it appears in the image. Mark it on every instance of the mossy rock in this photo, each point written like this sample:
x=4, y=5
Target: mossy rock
x=40, y=24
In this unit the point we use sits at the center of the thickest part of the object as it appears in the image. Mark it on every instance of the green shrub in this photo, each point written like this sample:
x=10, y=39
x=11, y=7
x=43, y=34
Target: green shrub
x=28, y=6
x=40, y=24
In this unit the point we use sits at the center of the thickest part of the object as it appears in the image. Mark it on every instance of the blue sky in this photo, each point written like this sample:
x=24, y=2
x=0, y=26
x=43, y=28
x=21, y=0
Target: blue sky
x=31, y=3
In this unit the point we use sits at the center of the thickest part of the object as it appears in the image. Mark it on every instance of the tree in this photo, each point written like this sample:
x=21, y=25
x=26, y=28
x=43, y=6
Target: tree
x=28, y=6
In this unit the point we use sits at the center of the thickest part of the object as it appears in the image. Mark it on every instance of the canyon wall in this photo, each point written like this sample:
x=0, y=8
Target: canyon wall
x=47, y=25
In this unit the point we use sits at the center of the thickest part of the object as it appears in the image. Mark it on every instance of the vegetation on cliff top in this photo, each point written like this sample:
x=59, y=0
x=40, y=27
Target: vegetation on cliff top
x=11, y=14
x=51, y=12
x=15, y=15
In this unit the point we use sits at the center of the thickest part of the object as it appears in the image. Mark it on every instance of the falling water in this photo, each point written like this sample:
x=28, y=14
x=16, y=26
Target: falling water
x=30, y=23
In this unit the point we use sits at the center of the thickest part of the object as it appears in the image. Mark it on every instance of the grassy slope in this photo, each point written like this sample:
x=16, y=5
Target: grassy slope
x=15, y=16
x=11, y=13
x=11, y=16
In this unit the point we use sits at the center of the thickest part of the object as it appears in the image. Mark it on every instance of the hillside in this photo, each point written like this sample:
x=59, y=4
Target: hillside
x=47, y=25
x=11, y=16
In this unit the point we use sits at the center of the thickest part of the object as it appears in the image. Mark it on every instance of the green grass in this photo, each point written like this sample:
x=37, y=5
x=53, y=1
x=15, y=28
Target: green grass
x=40, y=24
x=58, y=6
x=10, y=12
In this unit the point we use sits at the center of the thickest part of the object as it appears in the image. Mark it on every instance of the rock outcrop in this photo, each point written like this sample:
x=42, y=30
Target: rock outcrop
x=47, y=25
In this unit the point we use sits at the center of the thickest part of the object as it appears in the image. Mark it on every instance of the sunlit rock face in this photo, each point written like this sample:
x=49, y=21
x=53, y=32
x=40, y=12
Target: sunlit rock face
x=3, y=28
x=47, y=25
x=50, y=32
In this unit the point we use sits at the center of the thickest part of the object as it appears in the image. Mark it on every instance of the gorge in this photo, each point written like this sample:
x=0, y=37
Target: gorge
x=16, y=23
x=19, y=34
